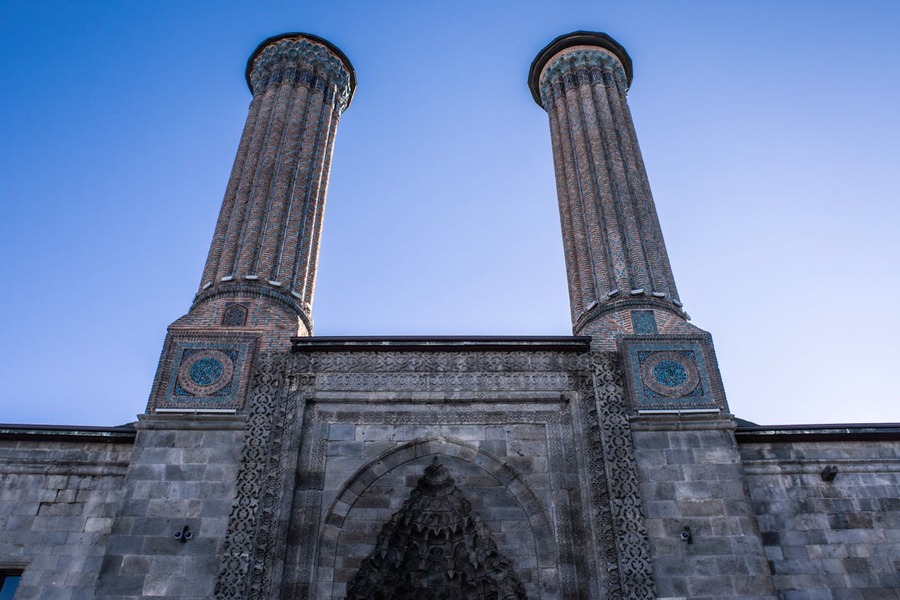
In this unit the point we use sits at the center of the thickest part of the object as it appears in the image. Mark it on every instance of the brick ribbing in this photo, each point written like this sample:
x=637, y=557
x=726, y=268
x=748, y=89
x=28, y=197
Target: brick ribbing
x=575, y=205
x=261, y=198
x=307, y=250
x=323, y=194
x=661, y=269
x=565, y=219
x=238, y=214
x=282, y=190
x=218, y=242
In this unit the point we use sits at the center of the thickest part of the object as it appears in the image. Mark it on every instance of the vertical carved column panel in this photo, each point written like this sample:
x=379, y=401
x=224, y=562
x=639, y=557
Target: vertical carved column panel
x=629, y=563
x=248, y=567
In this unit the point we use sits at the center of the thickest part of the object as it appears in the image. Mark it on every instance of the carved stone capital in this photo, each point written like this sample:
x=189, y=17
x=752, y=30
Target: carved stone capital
x=306, y=60
x=581, y=65
x=578, y=51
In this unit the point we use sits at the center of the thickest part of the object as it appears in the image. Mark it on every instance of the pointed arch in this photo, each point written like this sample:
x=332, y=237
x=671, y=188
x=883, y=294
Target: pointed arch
x=504, y=474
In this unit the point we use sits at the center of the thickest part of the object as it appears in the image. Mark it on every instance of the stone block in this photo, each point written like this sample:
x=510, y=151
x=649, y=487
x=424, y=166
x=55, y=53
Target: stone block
x=341, y=432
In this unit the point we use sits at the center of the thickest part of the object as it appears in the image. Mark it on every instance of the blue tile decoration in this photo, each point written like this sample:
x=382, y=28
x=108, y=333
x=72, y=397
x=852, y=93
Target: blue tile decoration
x=667, y=372
x=671, y=372
x=206, y=371
x=643, y=322
x=208, y=374
x=235, y=314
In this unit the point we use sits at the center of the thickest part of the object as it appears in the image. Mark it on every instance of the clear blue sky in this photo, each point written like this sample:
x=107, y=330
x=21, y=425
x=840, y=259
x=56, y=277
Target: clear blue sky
x=769, y=129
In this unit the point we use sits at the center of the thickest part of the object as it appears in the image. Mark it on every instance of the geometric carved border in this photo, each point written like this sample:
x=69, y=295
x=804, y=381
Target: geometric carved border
x=633, y=574
x=259, y=484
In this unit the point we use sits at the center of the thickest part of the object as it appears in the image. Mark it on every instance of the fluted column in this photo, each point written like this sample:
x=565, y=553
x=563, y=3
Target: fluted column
x=266, y=239
x=615, y=254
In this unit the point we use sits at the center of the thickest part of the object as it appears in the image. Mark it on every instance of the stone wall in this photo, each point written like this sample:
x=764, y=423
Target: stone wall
x=583, y=497
x=58, y=500
x=836, y=539
x=183, y=474
x=691, y=477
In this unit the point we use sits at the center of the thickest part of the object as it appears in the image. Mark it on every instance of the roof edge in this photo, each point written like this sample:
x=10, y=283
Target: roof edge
x=122, y=434
x=835, y=432
x=448, y=343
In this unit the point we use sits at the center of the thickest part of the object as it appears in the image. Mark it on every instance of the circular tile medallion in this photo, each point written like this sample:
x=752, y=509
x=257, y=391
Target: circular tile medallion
x=205, y=372
x=670, y=374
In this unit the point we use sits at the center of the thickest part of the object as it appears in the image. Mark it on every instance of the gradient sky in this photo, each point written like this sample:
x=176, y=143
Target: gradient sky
x=769, y=130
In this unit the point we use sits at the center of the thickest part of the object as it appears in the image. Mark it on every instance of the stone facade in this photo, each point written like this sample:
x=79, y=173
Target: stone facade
x=582, y=496
x=60, y=492
x=182, y=475
x=826, y=504
x=605, y=465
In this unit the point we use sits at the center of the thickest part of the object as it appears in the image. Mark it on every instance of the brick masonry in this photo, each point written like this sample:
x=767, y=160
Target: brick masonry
x=269, y=229
x=614, y=249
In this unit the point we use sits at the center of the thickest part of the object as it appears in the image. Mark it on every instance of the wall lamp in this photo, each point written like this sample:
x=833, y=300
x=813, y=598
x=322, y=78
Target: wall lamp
x=184, y=535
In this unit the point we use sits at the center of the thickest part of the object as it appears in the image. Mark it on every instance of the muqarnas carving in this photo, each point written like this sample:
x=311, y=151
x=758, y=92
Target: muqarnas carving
x=435, y=547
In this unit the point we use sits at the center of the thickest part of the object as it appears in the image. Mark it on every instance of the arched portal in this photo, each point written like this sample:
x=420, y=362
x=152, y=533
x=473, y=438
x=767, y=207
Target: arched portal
x=500, y=495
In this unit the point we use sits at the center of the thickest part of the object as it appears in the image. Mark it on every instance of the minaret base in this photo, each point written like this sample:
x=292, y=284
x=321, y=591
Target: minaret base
x=209, y=352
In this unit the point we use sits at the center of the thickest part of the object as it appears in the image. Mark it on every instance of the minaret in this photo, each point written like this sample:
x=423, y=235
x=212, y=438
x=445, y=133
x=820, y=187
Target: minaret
x=256, y=291
x=621, y=288
x=266, y=241
x=620, y=281
x=623, y=296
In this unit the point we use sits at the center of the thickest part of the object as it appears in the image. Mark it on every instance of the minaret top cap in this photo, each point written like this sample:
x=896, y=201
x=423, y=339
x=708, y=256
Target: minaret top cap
x=313, y=38
x=576, y=38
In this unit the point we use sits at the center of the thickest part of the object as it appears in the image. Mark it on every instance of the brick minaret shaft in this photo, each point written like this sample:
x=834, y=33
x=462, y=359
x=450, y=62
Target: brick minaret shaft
x=615, y=255
x=266, y=240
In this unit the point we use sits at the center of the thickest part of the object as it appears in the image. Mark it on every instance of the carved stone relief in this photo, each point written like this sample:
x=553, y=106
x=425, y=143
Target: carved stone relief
x=631, y=573
x=286, y=516
x=435, y=547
